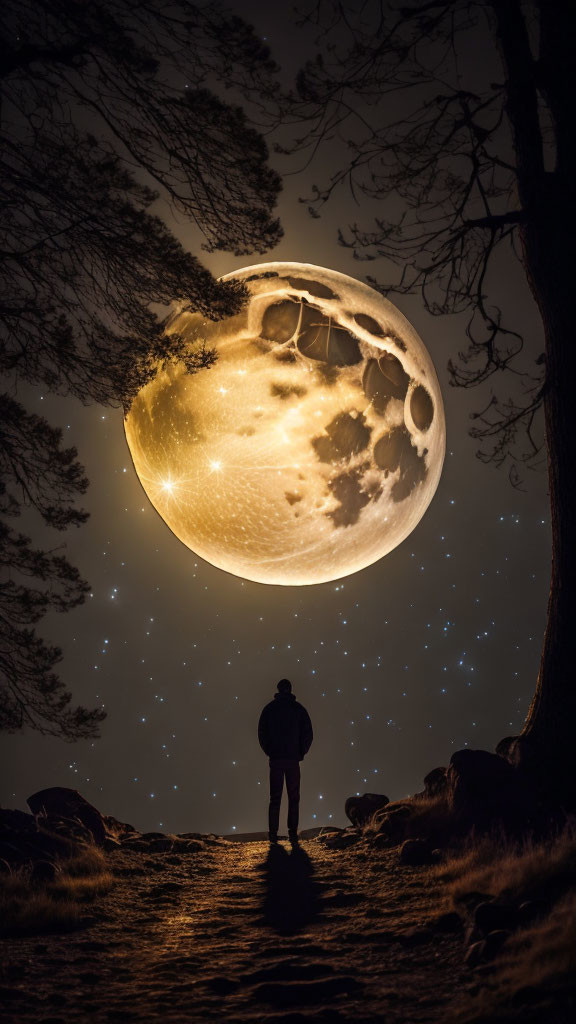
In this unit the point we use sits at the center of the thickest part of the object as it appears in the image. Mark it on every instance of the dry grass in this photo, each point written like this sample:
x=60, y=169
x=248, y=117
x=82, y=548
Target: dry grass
x=514, y=872
x=534, y=977
x=429, y=818
x=29, y=908
x=546, y=952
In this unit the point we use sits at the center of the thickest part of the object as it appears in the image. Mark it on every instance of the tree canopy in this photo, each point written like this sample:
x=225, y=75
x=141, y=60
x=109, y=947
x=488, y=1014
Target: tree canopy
x=107, y=109
x=418, y=97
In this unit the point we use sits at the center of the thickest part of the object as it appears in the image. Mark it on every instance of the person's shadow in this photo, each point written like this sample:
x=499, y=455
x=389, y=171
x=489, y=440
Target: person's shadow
x=292, y=896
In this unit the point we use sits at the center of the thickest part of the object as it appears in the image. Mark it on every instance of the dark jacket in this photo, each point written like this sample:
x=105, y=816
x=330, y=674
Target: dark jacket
x=285, y=729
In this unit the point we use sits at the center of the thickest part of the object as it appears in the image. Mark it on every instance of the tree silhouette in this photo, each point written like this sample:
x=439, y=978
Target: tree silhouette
x=458, y=117
x=106, y=108
x=35, y=472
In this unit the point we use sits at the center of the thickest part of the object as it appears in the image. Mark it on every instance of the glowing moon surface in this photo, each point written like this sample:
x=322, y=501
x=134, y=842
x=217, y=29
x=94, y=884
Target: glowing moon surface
x=311, y=448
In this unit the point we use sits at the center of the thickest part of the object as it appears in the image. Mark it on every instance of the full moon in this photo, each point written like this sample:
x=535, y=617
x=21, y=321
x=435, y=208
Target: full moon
x=315, y=443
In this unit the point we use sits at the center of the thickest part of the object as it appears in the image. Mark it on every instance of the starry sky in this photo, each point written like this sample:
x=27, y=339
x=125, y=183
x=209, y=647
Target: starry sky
x=433, y=648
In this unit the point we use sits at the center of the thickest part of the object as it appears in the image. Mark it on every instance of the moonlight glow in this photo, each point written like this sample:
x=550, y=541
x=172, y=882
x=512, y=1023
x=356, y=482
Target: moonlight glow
x=314, y=445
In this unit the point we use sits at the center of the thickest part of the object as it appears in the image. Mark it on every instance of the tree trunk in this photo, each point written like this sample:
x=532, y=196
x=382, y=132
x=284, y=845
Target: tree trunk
x=547, y=746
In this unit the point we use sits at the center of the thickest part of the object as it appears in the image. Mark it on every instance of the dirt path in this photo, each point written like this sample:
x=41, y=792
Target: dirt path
x=244, y=932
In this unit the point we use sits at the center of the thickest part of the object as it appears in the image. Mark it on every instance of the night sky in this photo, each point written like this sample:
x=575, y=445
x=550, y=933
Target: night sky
x=433, y=648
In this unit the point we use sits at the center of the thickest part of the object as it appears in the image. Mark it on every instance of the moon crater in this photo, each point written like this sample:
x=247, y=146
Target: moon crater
x=311, y=448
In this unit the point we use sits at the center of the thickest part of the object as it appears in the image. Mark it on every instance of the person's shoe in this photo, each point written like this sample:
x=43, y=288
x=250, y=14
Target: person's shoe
x=272, y=838
x=293, y=837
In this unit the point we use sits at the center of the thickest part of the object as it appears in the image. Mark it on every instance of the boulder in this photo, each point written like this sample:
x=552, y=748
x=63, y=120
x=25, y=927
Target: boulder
x=532, y=910
x=188, y=845
x=484, y=789
x=435, y=782
x=505, y=747
x=118, y=829
x=342, y=841
x=475, y=954
x=416, y=852
x=160, y=845
x=492, y=916
x=359, y=809
x=111, y=845
x=68, y=828
x=68, y=803
x=494, y=942
x=16, y=821
x=382, y=841
x=135, y=845
x=393, y=822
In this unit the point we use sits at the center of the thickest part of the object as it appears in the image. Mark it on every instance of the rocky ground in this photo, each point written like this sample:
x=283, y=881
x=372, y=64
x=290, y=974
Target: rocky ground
x=240, y=931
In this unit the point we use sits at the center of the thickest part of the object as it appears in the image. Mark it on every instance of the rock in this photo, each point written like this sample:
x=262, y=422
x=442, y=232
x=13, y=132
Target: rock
x=392, y=822
x=135, y=845
x=342, y=841
x=532, y=910
x=382, y=841
x=68, y=803
x=160, y=845
x=118, y=829
x=475, y=954
x=435, y=782
x=110, y=844
x=329, y=832
x=359, y=809
x=16, y=821
x=43, y=871
x=448, y=922
x=188, y=845
x=416, y=852
x=489, y=917
x=504, y=747
x=68, y=828
x=483, y=789
x=494, y=942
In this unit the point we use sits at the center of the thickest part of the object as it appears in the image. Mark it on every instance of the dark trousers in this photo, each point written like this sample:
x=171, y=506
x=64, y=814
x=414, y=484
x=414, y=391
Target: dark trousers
x=280, y=769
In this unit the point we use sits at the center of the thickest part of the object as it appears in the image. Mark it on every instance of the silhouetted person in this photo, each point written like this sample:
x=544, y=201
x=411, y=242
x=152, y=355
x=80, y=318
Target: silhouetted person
x=285, y=734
